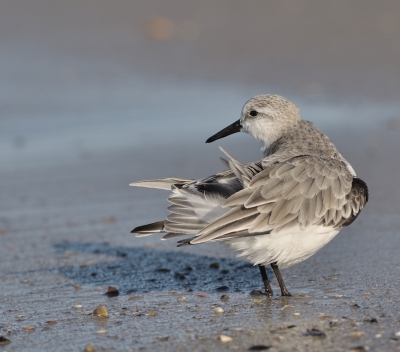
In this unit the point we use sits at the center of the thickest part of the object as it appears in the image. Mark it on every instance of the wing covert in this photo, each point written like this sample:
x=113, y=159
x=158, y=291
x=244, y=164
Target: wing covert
x=305, y=190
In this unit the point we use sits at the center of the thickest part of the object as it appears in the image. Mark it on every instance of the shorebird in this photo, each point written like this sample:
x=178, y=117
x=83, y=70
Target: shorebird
x=277, y=211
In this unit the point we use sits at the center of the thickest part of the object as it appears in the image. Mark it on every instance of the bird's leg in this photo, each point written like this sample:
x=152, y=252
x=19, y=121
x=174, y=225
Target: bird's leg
x=278, y=275
x=267, y=286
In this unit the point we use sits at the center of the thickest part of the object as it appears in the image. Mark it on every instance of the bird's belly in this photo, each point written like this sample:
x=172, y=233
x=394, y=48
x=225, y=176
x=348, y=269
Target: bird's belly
x=286, y=247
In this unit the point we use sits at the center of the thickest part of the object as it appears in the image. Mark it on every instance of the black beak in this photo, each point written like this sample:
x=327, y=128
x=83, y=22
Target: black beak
x=231, y=129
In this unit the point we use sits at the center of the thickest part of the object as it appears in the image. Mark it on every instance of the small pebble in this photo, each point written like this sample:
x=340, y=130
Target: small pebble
x=338, y=296
x=51, y=322
x=259, y=348
x=218, y=310
x=224, y=338
x=359, y=349
x=102, y=331
x=112, y=291
x=315, y=333
x=77, y=287
x=397, y=334
x=256, y=293
x=78, y=306
x=224, y=298
x=202, y=295
x=4, y=341
x=101, y=311
x=357, y=334
x=89, y=348
x=378, y=336
x=297, y=314
x=214, y=265
x=181, y=299
x=21, y=315
x=257, y=302
x=152, y=313
x=29, y=328
x=223, y=288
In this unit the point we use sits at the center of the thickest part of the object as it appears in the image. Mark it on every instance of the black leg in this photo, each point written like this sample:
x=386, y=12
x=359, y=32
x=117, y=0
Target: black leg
x=267, y=286
x=278, y=275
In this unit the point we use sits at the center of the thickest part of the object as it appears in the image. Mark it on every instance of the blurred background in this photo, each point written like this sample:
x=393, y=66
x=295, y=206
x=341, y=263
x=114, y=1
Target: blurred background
x=93, y=77
x=95, y=94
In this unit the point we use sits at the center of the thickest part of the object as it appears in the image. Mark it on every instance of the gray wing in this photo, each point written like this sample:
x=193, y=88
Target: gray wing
x=305, y=190
x=194, y=203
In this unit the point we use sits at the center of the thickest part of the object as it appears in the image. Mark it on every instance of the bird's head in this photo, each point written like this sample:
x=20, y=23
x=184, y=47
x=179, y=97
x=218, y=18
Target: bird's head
x=265, y=117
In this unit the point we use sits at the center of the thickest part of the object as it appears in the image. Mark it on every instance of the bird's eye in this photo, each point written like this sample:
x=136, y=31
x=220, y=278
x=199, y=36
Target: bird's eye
x=253, y=113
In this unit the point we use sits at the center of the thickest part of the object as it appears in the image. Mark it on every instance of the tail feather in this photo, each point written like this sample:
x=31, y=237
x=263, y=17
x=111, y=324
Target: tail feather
x=194, y=203
x=143, y=234
x=154, y=227
x=198, y=204
x=170, y=235
x=165, y=183
x=185, y=242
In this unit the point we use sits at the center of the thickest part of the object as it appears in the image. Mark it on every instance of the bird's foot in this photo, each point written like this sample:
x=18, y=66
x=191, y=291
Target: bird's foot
x=269, y=293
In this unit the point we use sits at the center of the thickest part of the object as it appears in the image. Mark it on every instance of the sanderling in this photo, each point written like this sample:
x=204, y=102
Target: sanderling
x=277, y=211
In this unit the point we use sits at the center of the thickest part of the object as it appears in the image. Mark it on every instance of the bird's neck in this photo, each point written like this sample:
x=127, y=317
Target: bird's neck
x=302, y=139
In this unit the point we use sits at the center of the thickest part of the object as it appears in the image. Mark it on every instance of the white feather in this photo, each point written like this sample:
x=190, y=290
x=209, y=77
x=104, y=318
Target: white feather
x=286, y=247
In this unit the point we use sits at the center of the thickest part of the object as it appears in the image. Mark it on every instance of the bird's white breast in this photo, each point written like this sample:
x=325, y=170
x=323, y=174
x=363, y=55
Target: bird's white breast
x=285, y=247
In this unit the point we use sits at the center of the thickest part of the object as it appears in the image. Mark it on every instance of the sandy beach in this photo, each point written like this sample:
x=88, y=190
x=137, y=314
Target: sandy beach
x=67, y=225
x=92, y=98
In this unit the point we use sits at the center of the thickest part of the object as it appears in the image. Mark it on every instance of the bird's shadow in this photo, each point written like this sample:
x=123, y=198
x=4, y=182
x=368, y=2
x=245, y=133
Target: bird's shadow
x=140, y=269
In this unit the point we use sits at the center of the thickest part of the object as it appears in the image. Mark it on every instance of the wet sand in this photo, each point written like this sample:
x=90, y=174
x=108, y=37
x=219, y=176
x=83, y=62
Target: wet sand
x=92, y=98
x=68, y=225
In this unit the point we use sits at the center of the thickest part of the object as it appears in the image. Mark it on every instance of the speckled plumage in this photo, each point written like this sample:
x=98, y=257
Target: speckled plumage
x=279, y=210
